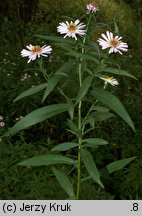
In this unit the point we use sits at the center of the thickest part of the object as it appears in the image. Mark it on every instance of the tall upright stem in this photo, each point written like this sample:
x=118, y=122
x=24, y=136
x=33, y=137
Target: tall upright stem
x=80, y=136
x=80, y=120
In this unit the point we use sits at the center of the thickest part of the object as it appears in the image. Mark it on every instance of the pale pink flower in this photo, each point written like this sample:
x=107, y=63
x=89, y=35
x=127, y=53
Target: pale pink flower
x=92, y=8
x=114, y=43
x=71, y=29
x=36, y=51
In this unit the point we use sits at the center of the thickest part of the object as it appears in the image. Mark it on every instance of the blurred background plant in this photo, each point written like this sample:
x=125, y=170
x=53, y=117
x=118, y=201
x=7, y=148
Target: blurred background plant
x=20, y=21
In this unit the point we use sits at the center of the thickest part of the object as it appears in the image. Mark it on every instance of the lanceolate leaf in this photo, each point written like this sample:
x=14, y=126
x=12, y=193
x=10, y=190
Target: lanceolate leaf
x=100, y=108
x=64, y=146
x=72, y=125
x=117, y=165
x=114, y=103
x=102, y=116
x=95, y=45
x=70, y=109
x=65, y=68
x=91, y=166
x=52, y=82
x=93, y=142
x=64, y=46
x=45, y=160
x=83, y=56
x=37, y=116
x=118, y=72
x=64, y=182
x=84, y=88
x=31, y=91
x=56, y=39
x=51, y=85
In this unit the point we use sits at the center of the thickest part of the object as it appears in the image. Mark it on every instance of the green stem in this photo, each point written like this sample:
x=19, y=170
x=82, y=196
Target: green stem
x=80, y=136
x=78, y=175
x=86, y=117
x=80, y=122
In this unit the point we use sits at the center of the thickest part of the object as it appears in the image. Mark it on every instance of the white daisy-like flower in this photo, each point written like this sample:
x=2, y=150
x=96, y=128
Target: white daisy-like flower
x=92, y=8
x=114, y=43
x=36, y=51
x=71, y=29
x=110, y=80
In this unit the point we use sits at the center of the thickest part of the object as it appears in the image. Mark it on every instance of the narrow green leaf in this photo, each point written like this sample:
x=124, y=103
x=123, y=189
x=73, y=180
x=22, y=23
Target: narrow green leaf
x=64, y=146
x=93, y=142
x=91, y=166
x=88, y=71
x=83, y=56
x=73, y=128
x=70, y=109
x=64, y=182
x=72, y=125
x=64, y=46
x=95, y=45
x=66, y=67
x=73, y=132
x=114, y=103
x=55, y=38
x=83, y=89
x=37, y=116
x=100, y=108
x=31, y=91
x=45, y=160
x=62, y=71
x=90, y=120
x=102, y=116
x=118, y=72
x=51, y=85
x=117, y=165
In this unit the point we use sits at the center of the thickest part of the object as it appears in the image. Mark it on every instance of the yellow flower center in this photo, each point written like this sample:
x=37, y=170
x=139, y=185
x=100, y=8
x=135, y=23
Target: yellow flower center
x=113, y=42
x=36, y=50
x=72, y=27
x=108, y=77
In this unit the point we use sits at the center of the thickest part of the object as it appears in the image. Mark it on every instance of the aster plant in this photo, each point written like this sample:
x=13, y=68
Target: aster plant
x=90, y=62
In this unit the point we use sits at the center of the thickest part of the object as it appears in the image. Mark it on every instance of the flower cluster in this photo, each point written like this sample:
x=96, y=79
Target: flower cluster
x=71, y=30
x=92, y=8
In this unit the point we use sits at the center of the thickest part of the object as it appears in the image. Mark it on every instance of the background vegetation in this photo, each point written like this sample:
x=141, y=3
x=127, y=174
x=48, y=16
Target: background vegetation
x=20, y=21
